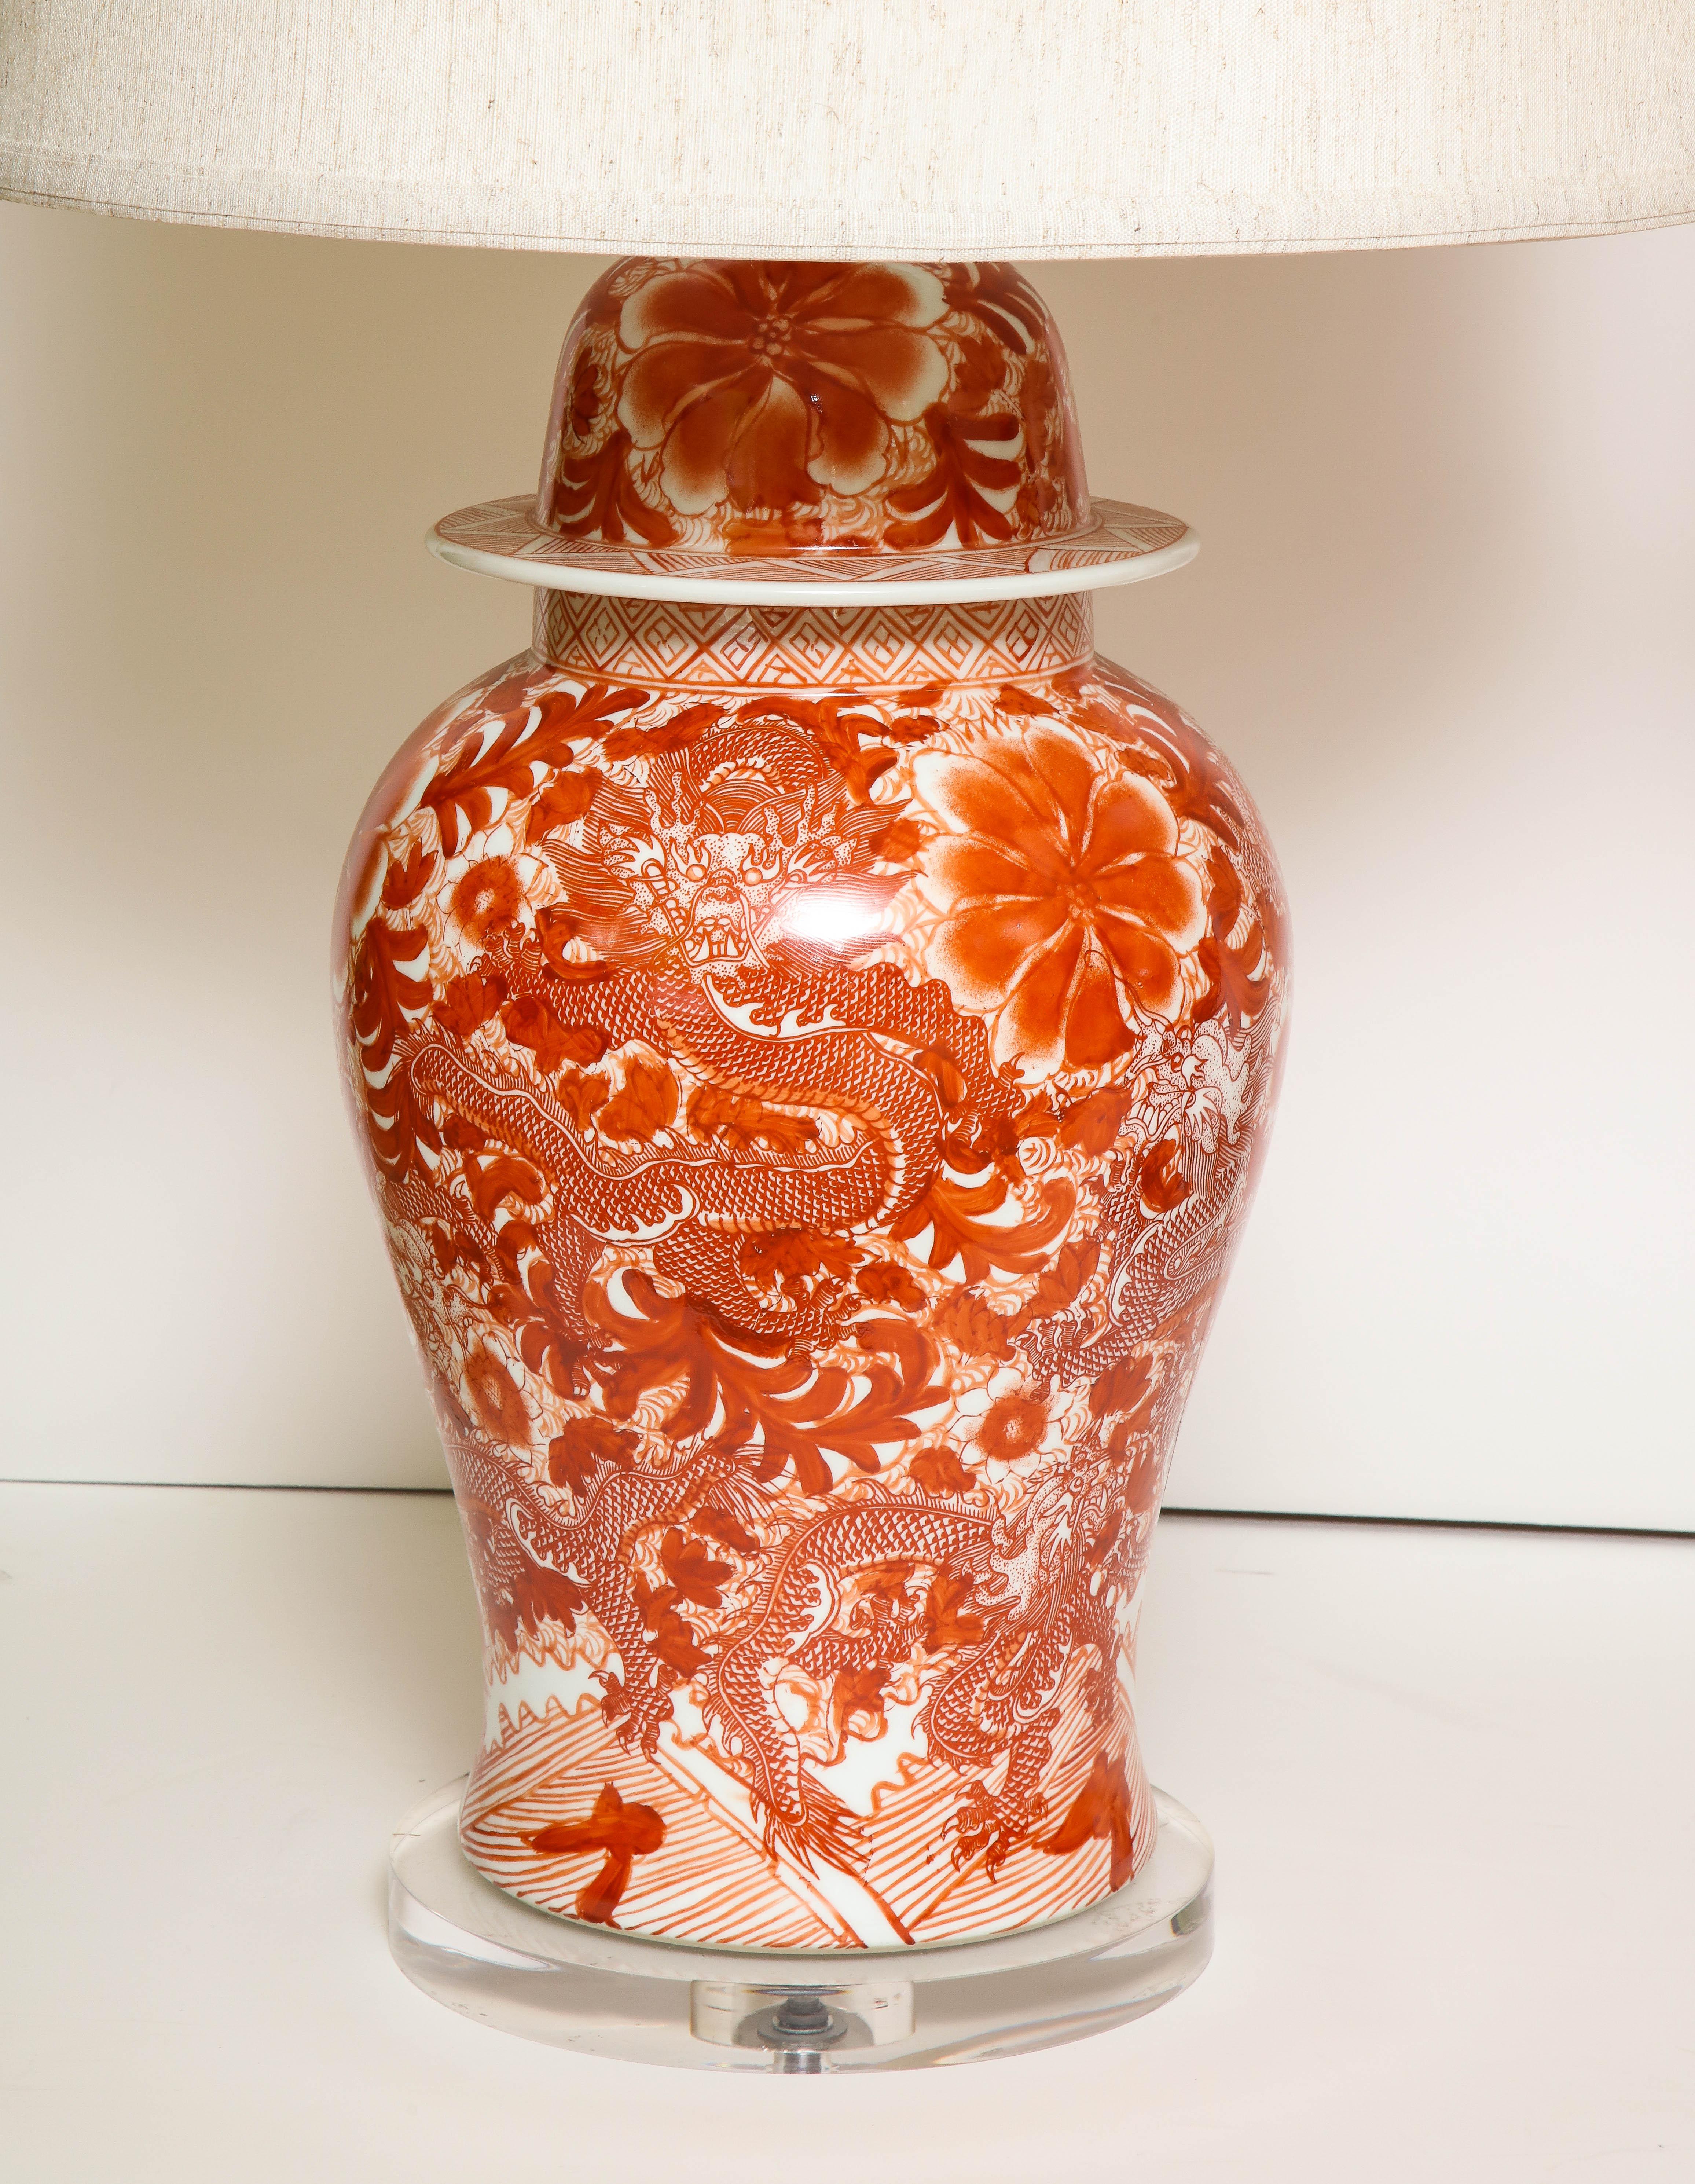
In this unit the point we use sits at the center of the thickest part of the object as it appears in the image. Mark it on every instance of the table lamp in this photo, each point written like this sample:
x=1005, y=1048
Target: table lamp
x=812, y=1025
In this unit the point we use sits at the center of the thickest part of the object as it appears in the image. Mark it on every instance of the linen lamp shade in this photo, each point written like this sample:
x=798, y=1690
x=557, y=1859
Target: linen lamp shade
x=825, y=128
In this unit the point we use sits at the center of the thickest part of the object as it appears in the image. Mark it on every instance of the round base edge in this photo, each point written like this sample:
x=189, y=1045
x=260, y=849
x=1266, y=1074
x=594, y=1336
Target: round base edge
x=598, y=1990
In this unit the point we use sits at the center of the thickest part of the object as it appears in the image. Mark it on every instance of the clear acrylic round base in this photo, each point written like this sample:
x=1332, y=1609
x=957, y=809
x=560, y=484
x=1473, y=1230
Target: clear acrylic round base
x=603, y=1993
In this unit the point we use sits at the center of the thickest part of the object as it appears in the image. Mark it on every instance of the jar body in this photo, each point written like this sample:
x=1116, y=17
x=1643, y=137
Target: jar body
x=812, y=1066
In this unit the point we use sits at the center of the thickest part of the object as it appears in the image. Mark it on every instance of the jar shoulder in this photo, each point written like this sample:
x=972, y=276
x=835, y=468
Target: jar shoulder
x=489, y=761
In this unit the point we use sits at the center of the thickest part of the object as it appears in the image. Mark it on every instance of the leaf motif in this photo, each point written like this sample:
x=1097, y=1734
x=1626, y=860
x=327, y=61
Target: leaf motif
x=950, y=1210
x=644, y=1105
x=677, y=1644
x=980, y=373
x=518, y=1594
x=1239, y=977
x=1191, y=781
x=1092, y=1125
x=384, y=995
x=529, y=1021
x=886, y=1283
x=566, y=796
x=948, y=1617
x=574, y=1454
x=1101, y=1809
x=788, y=1258
x=1036, y=407
x=516, y=692
x=780, y=1409
x=567, y=718
x=676, y=734
x=1126, y=1390
x=939, y=1471
x=495, y=1176
x=696, y=1575
x=1038, y=496
x=1161, y=1182
x=1061, y=1283
x=582, y=1097
x=595, y=497
x=998, y=296
x=898, y=843
x=469, y=1003
x=406, y=881
x=857, y=1698
x=912, y=727
x=952, y=496
x=527, y=1302
x=462, y=795
x=463, y=792
x=973, y=1326
x=738, y=1121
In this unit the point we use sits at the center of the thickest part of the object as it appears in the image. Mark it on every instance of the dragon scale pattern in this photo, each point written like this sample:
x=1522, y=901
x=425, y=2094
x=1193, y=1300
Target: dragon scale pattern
x=811, y=1133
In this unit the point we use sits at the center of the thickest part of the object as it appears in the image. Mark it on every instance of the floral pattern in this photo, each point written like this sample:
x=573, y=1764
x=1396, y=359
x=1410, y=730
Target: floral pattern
x=762, y=407
x=764, y=384
x=813, y=1068
x=812, y=1119
x=1066, y=911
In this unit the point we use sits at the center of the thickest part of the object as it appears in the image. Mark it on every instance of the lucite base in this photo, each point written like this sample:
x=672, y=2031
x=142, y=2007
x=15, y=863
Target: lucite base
x=604, y=1992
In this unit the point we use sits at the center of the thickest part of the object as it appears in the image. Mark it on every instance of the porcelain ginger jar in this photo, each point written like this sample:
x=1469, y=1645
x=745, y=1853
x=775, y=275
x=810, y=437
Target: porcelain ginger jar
x=812, y=1028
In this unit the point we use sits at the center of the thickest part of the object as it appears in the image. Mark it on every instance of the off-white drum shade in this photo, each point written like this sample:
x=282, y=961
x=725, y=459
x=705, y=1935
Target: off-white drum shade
x=816, y=128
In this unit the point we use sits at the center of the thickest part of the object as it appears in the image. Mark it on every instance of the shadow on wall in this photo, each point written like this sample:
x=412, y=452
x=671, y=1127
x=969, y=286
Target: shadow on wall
x=1444, y=496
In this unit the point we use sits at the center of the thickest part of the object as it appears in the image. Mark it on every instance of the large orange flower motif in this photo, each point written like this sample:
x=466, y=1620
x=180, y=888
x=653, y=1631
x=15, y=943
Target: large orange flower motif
x=766, y=383
x=1066, y=911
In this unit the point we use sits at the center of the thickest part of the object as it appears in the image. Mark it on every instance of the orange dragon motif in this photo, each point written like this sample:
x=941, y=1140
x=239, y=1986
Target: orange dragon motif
x=812, y=1130
x=813, y=1064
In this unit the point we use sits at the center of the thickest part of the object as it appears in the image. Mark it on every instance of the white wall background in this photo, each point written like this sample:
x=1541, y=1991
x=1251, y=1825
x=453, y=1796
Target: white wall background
x=1442, y=621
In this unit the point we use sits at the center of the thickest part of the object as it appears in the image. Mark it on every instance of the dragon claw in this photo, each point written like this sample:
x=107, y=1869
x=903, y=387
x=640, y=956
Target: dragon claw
x=992, y=1828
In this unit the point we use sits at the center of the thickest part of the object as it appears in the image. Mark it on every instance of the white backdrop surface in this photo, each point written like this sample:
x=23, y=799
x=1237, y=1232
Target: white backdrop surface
x=191, y=1877
x=1442, y=622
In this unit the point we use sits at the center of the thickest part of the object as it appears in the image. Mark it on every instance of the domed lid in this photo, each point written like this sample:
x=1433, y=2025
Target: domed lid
x=777, y=431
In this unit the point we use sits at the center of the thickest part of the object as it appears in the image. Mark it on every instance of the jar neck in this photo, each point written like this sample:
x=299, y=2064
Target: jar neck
x=667, y=644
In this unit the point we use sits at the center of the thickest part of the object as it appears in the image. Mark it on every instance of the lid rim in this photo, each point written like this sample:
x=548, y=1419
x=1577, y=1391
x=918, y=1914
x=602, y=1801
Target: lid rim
x=1107, y=552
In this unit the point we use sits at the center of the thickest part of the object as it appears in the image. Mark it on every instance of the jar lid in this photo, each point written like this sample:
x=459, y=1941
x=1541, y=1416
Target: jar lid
x=785, y=433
